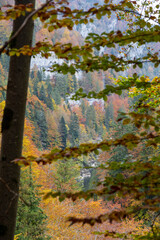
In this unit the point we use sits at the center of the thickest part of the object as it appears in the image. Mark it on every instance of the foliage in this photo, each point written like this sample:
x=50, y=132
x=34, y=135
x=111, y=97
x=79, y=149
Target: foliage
x=63, y=132
x=17, y=236
x=74, y=130
x=30, y=217
x=136, y=178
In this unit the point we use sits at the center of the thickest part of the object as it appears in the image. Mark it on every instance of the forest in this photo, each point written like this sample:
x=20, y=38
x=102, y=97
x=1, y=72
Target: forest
x=80, y=117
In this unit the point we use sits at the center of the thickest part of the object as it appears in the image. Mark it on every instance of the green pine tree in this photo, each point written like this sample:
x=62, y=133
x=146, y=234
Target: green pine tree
x=61, y=85
x=83, y=107
x=40, y=122
x=31, y=220
x=39, y=75
x=56, y=96
x=109, y=115
x=32, y=74
x=42, y=94
x=74, y=130
x=63, y=133
x=35, y=86
x=91, y=117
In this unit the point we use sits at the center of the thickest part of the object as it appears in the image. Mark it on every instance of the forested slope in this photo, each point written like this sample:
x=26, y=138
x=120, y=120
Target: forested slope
x=54, y=120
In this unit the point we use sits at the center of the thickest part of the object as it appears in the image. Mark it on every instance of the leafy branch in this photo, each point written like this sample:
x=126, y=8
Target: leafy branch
x=22, y=26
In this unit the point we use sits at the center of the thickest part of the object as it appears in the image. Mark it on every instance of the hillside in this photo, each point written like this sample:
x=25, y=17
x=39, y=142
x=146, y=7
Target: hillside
x=54, y=120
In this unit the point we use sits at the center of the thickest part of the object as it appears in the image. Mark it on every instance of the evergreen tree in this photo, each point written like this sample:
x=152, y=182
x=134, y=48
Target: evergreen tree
x=91, y=182
x=75, y=83
x=42, y=94
x=48, y=79
x=56, y=96
x=61, y=85
x=35, y=86
x=41, y=123
x=31, y=220
x=100, y=129
x=32, y=74
x=83, y=107
x=63, y=133
x=74, y=130
x=49, y=89
x=39, y=75
x=89, y=82
x=120, y=153
x=91, y=117
x=49, y=102
x=109, y=115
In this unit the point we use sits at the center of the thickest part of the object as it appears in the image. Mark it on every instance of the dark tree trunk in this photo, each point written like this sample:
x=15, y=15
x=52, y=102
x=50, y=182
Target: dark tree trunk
x=12, y=128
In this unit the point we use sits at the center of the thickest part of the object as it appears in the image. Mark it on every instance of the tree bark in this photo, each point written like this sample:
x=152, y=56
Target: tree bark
x=12, y=128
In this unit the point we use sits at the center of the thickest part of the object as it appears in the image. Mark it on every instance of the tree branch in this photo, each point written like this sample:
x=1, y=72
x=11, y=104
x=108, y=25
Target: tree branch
x=23, y=25
x=2, y=88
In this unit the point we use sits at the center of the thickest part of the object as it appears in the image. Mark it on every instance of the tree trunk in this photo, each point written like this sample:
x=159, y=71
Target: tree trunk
x=12, y=128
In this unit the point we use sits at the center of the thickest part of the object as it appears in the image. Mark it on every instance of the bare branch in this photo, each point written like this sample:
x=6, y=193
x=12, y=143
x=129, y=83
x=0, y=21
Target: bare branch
x=24, y=201
x=23, y=25
x=2, y=88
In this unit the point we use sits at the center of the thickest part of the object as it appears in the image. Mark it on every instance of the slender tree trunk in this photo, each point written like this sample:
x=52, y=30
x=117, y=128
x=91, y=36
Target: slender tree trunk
x=12, y=128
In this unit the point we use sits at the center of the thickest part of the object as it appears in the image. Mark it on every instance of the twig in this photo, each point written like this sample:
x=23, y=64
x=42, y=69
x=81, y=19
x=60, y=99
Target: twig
x=23, y=25
x=3, y=89
x=24, y=201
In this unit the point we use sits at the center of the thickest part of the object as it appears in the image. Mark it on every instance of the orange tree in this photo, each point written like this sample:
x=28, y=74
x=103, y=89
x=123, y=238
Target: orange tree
x=143, y=28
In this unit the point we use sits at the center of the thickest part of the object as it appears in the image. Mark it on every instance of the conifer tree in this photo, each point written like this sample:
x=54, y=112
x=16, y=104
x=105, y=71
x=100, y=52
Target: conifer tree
x=49, y=89
x=75, y=83
x=61, y=85
x=42, y=94
x=41, y=123
x=109, y=115
x=63, y=133
x=31, y=220
x=56, y=96
x=49, y=102
x=35, y=86
x=91, y=117
x=39, y=76
x=32, y=74
x=74, y=130
x=83, y=107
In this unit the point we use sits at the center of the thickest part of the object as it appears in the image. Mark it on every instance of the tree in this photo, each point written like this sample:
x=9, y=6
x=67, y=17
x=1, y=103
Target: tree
x=74, y=130
x=41, y=124
x=42, y=94
x=35, y=88
x=39, y=76
x=87, y=58
x=63, y=133
x=12, y=127
x=56, y=96
x=30, y=217
x=61, y=85
x=109, y=115
x=91, y=117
